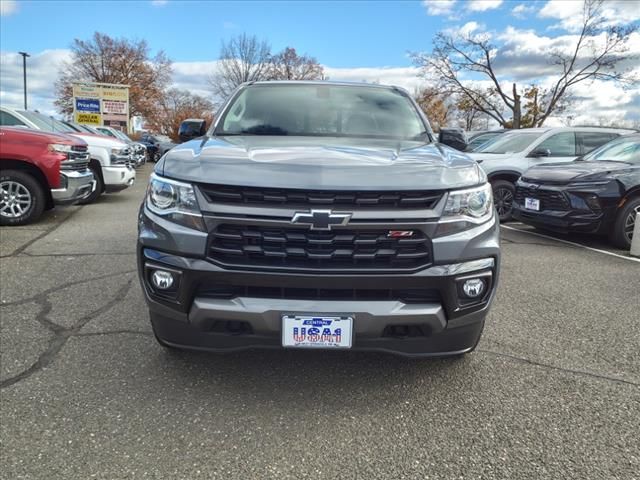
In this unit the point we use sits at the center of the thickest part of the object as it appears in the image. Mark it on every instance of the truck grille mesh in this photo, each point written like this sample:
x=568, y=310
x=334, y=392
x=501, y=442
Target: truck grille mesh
x=310, y=198
x=549, y=199
x=353, y=249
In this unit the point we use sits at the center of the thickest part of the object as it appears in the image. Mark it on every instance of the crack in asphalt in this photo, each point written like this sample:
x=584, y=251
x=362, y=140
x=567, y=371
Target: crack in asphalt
x=46, y=232
x=113, y=332
x=562, y=369
x=61, y=334
x=37, y=255
x=51, y=290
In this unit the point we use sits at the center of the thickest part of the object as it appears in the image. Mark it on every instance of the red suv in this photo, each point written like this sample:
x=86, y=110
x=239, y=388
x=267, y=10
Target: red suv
x=39, y=170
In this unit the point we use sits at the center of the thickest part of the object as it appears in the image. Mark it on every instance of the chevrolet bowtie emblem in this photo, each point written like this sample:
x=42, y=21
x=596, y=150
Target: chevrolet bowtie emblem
x=321, y=219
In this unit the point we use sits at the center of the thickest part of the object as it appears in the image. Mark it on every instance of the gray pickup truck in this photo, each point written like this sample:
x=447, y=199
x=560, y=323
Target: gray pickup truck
x=318, y=215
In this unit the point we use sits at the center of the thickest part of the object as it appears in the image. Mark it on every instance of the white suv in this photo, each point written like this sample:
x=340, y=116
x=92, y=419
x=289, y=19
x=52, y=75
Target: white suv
x=111, y=161
x=509, y=155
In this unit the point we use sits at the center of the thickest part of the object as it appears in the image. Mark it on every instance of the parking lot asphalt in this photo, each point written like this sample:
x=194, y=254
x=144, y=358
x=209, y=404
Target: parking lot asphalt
x=553, y=390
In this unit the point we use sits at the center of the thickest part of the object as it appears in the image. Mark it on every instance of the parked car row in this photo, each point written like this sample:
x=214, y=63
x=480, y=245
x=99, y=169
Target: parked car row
x=45, y=162
x=583, y=179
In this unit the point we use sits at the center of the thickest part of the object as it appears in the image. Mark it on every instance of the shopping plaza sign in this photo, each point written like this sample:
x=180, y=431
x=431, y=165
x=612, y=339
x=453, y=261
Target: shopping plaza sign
x=101, y=104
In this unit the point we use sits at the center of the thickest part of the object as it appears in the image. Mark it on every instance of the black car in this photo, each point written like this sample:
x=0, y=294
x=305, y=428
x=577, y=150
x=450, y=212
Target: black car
x=598, y=193
x=157, y=145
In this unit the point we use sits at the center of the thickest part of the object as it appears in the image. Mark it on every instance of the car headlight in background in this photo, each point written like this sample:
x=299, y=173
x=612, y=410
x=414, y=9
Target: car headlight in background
x=120, y=155
x=59, y=148
x=175, y=201
x=466, y=209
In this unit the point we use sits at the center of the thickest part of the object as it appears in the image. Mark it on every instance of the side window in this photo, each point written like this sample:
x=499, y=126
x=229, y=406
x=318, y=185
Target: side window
x=592, y=140
x=8, y=120
x=560, y=145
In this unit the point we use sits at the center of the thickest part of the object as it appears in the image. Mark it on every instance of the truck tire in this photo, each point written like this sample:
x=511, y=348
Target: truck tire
x=22, y=198
x=97, y=176
x=503, y=195
x=625, y=221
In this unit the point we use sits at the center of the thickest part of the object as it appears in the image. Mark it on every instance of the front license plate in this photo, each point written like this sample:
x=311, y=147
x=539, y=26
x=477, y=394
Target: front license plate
x=316, y=331
x=531, y=203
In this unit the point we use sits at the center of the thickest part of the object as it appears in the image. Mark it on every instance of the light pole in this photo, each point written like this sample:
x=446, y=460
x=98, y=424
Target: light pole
x=24, y=75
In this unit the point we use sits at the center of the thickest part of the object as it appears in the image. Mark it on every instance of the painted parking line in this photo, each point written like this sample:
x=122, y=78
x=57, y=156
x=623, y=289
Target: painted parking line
x=571, y=243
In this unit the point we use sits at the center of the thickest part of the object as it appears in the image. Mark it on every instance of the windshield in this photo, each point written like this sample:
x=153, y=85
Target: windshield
x=622, y=150
x=122, y=136
x=321, y=110
x=45, y=123
x=509, y=142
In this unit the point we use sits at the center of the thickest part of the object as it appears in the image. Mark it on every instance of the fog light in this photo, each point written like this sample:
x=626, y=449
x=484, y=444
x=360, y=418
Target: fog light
x=162, y=280
x=473, y=288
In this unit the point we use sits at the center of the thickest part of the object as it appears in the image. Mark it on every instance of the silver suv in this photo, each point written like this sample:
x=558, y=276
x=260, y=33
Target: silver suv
x=318, y=215
x=509, y=155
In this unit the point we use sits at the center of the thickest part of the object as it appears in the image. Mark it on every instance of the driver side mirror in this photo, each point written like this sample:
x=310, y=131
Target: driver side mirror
x=192, y=128
x=454, y=138
x=540, y=152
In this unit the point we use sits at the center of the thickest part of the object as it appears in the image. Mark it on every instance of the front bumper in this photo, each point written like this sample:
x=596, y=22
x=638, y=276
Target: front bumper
x=118, y=177
x=576, y=216
x=75, y=186
x=191, y=318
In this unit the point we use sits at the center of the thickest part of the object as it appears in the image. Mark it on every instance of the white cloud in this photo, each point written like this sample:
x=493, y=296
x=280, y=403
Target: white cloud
x=522, y=10
x=229, y=25
x=439, y=7
x=527, y=62
x=483, y=5
x=7, y=7
x=42, y=68
x=570, y=12
x=159, y=3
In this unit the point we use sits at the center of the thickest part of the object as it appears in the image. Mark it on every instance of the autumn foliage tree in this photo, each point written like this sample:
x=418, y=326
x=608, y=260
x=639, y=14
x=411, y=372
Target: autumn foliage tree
x=435, y=105
x=119, y=61
x=173, y=107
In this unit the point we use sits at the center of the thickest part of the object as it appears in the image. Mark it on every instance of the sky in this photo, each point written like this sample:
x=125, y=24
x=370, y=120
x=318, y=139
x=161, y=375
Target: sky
x=356, y=41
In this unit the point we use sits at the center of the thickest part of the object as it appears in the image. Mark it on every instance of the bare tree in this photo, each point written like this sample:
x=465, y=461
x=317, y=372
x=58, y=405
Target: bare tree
x=120, y=61
x=242, y=59
x=589, y=59
x=288, y=65
x=174, y=107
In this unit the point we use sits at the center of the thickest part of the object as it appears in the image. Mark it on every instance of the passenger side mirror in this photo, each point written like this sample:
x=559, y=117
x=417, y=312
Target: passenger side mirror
x=454, y=138
x=540, y=152
x=192, y=128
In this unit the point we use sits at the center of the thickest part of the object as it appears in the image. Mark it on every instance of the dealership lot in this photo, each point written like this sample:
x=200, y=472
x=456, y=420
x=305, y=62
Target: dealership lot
x=553, y=390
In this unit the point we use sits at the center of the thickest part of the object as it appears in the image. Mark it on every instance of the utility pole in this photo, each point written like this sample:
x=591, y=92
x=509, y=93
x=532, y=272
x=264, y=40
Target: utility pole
x=24, y=75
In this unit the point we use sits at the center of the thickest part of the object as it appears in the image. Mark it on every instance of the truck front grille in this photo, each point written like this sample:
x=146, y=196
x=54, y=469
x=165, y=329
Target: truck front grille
x=549, y=199
x=299, y=248
x=76, y=160
x=310, y=198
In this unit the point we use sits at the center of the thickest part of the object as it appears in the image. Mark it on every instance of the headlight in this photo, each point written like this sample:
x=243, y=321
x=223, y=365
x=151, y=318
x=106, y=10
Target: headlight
x=175, y=201
x=59, y=148
x=465, y=209
x=120, y=155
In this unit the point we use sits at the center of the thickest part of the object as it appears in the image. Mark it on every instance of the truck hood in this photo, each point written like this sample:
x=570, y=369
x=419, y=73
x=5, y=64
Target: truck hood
x=574, y=171
x=99, y=140
x=320, y=163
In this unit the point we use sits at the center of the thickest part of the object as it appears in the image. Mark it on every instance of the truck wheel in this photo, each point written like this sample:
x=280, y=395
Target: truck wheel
x=503, y=194
x=624, y=224
x=22, y=198
x=99, y=187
